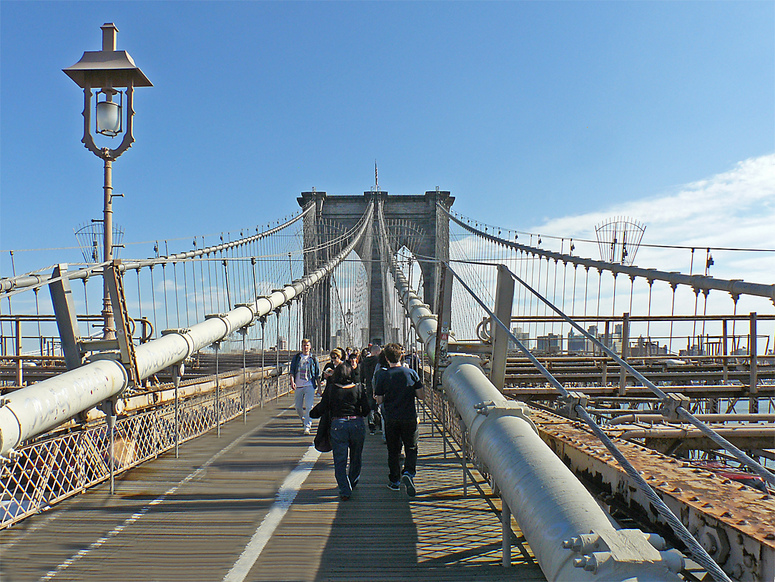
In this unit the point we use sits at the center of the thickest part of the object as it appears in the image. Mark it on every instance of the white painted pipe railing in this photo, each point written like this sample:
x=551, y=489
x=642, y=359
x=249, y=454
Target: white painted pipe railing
x=572, y=538
x=36, y=409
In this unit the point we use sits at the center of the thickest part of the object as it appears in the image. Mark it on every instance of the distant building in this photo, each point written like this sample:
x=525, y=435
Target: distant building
x=522, y=336
x=577, y=343
x=340, y=340
x=549, y=344
x=647, y=348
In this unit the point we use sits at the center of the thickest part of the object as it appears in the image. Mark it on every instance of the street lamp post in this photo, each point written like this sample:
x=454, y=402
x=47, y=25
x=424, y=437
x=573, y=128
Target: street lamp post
x=348, y=320
x=107, y=70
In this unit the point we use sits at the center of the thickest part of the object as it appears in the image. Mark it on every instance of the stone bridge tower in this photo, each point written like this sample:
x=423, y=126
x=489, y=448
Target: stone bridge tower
x=334, y=214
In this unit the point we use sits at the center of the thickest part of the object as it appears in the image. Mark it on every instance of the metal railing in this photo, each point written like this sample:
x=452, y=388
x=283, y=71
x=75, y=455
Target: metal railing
x=47, y=471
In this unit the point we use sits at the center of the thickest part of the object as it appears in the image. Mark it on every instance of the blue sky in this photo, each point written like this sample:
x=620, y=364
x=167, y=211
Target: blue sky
x=530, y=113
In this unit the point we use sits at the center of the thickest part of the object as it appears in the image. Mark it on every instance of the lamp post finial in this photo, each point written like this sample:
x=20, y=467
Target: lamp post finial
x=109, y=31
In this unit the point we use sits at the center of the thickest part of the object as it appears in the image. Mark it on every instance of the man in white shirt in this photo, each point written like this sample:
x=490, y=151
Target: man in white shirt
x=305, y=373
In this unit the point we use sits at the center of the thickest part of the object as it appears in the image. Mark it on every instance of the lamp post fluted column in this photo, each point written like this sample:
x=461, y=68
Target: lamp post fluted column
x=109, y=331
x=108, y=70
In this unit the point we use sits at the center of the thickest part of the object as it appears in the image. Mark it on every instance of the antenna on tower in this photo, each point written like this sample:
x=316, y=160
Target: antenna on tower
x=376, y=177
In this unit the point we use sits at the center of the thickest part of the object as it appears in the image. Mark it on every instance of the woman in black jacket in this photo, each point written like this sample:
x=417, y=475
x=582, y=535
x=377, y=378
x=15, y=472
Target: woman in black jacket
x=346, y=400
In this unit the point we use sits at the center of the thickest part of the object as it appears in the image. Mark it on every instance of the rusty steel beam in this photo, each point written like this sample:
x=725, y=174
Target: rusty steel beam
x=721, y=391
x=735, y=523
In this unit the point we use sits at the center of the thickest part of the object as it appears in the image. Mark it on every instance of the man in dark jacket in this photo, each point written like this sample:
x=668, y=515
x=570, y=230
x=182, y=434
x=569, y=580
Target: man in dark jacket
x=305, y=374
x=396, y=388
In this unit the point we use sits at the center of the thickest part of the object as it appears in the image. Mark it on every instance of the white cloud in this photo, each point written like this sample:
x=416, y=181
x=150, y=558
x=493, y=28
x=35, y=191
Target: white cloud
x=734, y=209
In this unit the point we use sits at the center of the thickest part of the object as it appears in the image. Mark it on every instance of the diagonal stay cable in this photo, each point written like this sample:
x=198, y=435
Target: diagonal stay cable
x=666, y=398
x=12, y=285
x=734, y=287
x=697, y=551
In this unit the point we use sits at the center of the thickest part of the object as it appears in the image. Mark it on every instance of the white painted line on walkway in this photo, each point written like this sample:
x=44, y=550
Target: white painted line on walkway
x=136, y=516
x=285, y=496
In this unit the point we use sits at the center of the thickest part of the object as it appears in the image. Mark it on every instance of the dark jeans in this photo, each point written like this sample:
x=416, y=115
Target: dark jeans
x=374, y=418
x=398, y=433
x=347, y=435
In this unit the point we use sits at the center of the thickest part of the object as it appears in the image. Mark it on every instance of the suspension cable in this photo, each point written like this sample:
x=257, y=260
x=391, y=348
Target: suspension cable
x=697, y=551
x=703, y=282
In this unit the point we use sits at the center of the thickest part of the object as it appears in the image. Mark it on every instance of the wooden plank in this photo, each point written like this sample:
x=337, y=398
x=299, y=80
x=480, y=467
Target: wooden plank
x=190, y=518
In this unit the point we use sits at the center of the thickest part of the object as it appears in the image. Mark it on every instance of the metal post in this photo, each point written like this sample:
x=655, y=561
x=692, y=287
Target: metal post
x=277, y=357
x=504, y=298
x=19, y=373
x=506, y=533
x=244, y=332
x=177, y=371
x=112, y=457
x=464, y=462
x=108, y=331
x=625, y=353
x=724, y=351
x=217, y=392
x=263, y=353
x=110, y=420
x=753, y=398
x=607, y=343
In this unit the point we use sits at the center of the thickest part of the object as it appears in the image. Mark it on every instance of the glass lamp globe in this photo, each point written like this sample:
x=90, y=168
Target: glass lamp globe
x=108, y=118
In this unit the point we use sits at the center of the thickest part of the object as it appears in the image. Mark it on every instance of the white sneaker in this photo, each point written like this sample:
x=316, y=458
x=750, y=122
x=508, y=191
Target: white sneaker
x=306, y=431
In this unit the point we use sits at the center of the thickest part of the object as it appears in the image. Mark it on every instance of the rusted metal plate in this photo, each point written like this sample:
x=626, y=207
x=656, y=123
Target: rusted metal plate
x=735, y=523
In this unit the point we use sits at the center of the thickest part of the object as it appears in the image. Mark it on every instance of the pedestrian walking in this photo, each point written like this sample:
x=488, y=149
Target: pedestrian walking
x=335, y=358
x=346, y=400
x=396, y=389
x=305, y=377
x=370, y=365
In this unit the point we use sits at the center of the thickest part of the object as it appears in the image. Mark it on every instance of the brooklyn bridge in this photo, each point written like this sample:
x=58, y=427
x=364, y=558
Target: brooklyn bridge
x=576, y=425
x=583, y=417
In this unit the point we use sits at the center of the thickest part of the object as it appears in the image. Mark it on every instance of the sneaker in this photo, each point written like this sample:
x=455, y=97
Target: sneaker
x=344, y=497
x=406, y=479
x=306, y=430
x=372, y=432
x=394, y=486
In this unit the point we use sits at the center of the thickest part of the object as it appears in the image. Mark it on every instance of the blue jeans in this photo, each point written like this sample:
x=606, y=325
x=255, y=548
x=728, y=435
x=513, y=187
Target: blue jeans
x=347, y=435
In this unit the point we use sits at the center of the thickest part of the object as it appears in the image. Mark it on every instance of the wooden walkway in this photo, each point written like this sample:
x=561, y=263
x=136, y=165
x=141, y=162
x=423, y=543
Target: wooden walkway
x=202, y=517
